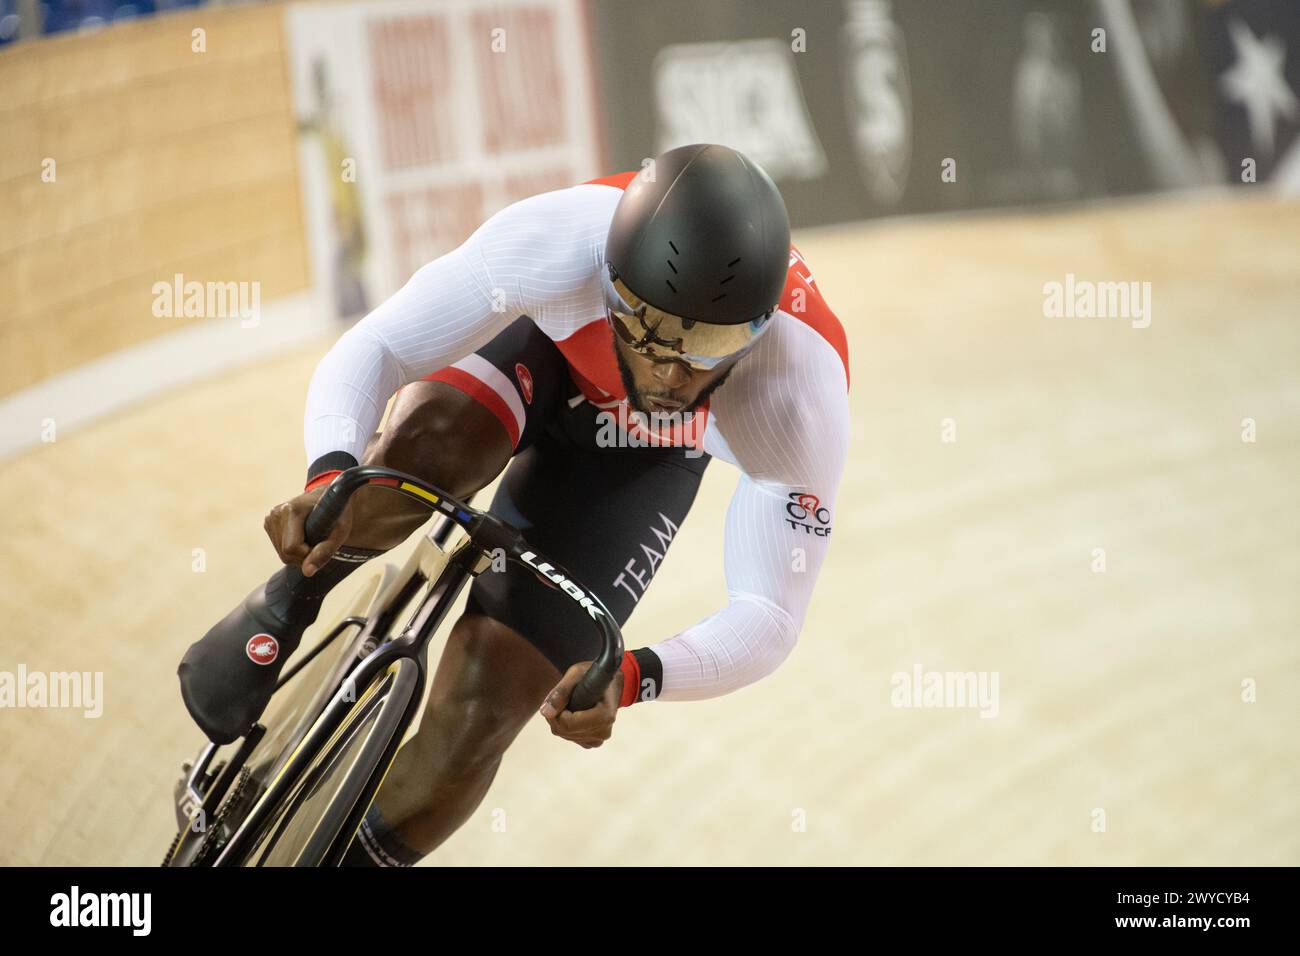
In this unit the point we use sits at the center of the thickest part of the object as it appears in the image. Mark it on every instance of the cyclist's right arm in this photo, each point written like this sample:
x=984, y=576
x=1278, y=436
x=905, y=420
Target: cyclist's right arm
x=516, y=263
x=535, y=256
x=443, y=313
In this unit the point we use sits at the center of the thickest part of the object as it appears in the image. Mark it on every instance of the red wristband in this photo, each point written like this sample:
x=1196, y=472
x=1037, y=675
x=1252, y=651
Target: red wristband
x=631, y=679
x=324, y=478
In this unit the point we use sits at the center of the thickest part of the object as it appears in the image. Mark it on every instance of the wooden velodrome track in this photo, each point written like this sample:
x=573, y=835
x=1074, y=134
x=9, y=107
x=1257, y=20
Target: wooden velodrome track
x=1119, y=691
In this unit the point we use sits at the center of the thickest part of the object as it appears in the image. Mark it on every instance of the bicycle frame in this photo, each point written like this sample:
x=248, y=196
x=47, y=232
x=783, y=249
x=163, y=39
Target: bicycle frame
x=412, y=643
x=486, y=537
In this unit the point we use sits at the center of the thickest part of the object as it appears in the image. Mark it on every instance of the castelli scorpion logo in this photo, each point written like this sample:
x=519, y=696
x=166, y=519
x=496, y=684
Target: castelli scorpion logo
x=262, y=649
x=525, y=379
x=804, y=509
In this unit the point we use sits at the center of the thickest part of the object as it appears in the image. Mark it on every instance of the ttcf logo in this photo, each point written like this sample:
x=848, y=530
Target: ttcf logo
x=806, y=512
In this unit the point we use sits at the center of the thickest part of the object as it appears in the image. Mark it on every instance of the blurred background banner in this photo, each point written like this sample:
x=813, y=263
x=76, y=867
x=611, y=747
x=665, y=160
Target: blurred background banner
x=418, y=120
x=867, y=107
x=1253, y=51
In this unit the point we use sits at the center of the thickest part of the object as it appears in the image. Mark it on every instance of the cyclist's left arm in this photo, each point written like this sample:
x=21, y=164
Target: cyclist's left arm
x=790, y=438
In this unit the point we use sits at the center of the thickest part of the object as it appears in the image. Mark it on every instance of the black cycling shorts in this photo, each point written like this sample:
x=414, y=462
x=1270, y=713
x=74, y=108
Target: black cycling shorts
x=606, y=514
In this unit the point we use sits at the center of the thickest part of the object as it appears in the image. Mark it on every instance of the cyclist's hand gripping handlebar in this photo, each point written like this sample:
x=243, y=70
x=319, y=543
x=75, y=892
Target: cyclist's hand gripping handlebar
x=487, y=533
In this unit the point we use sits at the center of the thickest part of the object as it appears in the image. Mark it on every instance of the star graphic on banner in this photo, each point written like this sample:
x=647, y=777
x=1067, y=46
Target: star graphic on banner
x=1257, y=84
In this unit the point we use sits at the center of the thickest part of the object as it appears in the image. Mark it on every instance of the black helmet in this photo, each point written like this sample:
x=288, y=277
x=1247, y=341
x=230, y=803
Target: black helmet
x=702, y=234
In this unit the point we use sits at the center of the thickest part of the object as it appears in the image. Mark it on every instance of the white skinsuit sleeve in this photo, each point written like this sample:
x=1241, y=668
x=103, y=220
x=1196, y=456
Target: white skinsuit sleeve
x=535, y=257
x=788, y=431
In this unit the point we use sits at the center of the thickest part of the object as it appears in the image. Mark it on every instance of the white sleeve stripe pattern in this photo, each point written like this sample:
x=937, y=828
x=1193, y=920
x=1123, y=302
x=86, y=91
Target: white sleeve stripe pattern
x=782, y=418
x=738, y=645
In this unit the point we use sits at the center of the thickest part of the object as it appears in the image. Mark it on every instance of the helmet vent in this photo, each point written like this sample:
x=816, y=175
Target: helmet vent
x=669, y=262
x=730, y=265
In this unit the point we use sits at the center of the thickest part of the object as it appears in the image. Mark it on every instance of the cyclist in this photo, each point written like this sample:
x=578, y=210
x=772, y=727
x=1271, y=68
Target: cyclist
x=600, y=344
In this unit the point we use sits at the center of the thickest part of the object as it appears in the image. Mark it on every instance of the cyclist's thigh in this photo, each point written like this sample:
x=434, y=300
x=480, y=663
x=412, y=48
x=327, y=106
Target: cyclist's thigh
x=489, y=681
x=458, y=427
x=607, y=515
x=519, y=378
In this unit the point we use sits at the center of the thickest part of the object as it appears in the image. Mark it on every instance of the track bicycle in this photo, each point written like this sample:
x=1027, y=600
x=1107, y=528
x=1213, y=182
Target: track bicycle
x=293, y=790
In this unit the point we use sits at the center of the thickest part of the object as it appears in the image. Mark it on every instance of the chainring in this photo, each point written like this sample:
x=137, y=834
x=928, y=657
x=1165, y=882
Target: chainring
x=217, y=834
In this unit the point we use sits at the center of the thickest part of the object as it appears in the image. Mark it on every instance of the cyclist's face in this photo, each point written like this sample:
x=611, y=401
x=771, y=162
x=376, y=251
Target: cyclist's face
x=656, y=386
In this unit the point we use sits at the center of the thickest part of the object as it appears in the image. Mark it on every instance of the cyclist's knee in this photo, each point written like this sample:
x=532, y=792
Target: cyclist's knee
x=436, y=433
x=471, y=736
x=489, y=684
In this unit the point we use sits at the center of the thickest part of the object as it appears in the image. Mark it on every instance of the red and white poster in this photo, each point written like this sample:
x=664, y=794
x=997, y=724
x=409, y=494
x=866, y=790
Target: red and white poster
x=417, y=120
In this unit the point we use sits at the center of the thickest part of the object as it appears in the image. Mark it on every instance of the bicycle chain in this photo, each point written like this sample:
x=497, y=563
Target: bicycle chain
x=211, y=838
x=171, y=850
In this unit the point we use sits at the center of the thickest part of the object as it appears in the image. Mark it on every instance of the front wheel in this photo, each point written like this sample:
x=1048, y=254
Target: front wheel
x=304, y=692
x=347, y=771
